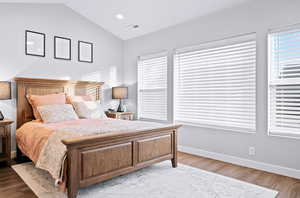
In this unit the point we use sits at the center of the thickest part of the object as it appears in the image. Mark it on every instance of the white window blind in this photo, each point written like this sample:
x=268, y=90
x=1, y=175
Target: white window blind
x=152, y=87
x=215, y=84
x=284, y=82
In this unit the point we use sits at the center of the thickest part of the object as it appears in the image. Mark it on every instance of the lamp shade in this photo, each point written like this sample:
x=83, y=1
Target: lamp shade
x=119, y=92
x=5, y=90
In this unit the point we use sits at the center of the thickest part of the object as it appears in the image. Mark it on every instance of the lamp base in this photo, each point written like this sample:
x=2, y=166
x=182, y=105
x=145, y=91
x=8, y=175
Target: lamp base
x=1, y=116
x=120, y=108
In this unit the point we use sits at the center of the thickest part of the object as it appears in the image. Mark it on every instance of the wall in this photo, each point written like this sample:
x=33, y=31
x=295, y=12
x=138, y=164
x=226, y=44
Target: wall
x=253, y=16
x=55, y=19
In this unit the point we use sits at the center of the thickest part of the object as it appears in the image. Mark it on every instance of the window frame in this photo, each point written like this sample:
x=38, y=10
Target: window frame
x=146, y=57
x=212, y=44
x=271, y=81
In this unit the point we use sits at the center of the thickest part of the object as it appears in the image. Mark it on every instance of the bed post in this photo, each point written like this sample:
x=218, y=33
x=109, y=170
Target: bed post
x=73, y=172
x=174, y=141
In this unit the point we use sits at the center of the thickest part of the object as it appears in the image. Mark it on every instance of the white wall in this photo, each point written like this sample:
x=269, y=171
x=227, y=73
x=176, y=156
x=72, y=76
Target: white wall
x=61, y=21
x=255, y=16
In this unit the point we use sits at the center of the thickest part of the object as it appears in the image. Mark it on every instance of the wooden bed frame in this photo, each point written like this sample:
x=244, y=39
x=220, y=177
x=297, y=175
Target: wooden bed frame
x=93, y=159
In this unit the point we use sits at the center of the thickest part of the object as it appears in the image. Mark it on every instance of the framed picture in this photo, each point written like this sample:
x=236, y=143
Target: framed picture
x=62, y=48
x=85, y=52
x=35, y=43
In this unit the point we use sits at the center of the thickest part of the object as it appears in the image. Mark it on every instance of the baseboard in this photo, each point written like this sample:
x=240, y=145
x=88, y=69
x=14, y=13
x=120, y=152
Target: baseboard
x=243, y=162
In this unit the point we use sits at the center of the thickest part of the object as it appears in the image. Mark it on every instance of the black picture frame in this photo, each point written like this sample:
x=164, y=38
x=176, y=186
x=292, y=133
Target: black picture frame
x=26, y=43
x=91, y=52
x=70, y=48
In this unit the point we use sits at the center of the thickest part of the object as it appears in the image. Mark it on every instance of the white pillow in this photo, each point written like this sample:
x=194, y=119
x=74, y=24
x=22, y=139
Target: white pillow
x=89, y=109
x=57, y=113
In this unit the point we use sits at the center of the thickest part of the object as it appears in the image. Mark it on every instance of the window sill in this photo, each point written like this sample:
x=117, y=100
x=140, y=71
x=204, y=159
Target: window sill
x=154, y=120
x=229, y=129
x=284, y=135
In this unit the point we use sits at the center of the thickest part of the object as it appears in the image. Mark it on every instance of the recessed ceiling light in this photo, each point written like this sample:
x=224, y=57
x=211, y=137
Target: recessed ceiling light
x=120, y=16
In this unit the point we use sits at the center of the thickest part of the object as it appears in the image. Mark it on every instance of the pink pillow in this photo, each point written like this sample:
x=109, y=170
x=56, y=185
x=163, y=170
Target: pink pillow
x=85, y=98
x=51, y=99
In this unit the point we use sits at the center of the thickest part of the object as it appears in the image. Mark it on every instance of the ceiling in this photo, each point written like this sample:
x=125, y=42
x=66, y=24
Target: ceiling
x=149, y=15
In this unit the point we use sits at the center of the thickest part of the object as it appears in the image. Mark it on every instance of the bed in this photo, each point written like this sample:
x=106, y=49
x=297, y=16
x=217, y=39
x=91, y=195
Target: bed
x=95, y=158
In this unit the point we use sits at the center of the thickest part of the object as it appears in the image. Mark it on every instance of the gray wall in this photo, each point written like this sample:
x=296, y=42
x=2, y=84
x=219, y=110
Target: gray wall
x=254, y=16
x=61, y=21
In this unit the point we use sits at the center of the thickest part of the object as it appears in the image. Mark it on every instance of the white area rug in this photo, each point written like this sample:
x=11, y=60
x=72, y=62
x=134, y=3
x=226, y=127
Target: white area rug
x=157, y=181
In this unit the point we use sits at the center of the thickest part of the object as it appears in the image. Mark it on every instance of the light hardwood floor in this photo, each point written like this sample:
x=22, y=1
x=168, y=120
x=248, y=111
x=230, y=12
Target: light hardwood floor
x=287, y=187
x=11, y=186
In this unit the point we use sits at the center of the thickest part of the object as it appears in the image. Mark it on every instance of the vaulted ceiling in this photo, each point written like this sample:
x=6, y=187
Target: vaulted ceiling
x=149, y=15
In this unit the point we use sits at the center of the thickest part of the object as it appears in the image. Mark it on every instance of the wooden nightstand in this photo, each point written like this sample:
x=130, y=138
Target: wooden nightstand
x=120, y=115
x=5, y=135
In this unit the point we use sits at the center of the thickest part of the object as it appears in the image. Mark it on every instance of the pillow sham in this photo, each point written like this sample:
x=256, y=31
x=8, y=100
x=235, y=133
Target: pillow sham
x=57, y=113
x=89, y=109
x=36, y=101
x=71, y=99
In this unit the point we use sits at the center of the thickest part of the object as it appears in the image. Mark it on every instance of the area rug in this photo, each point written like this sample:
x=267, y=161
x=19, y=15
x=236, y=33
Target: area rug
x=156, y=181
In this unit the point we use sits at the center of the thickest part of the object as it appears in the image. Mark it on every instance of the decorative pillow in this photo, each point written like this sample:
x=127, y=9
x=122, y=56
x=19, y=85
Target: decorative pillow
x=89, y=109
x=57, y=113
x=71, y=99
x=50, y=99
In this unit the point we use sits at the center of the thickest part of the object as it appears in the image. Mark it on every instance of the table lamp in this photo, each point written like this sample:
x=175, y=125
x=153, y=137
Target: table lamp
x=120, y=93
x=5, y=93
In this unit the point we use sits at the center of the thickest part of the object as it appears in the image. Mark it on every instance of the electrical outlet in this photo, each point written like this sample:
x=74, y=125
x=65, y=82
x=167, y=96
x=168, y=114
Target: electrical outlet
x=251, y=150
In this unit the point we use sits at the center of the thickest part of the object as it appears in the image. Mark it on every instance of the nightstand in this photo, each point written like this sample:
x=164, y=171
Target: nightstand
x=5, y=135
x=120, y=115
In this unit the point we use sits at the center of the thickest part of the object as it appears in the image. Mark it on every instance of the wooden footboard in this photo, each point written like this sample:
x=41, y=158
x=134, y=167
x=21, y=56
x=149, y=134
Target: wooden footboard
x=98, y=158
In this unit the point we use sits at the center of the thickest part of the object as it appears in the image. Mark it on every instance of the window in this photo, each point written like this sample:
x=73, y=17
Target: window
x=215, y=84
x=152, y=87
x=284, y=82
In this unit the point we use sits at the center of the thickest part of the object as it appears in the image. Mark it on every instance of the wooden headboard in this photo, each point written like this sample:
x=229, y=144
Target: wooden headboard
x=36, y=86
